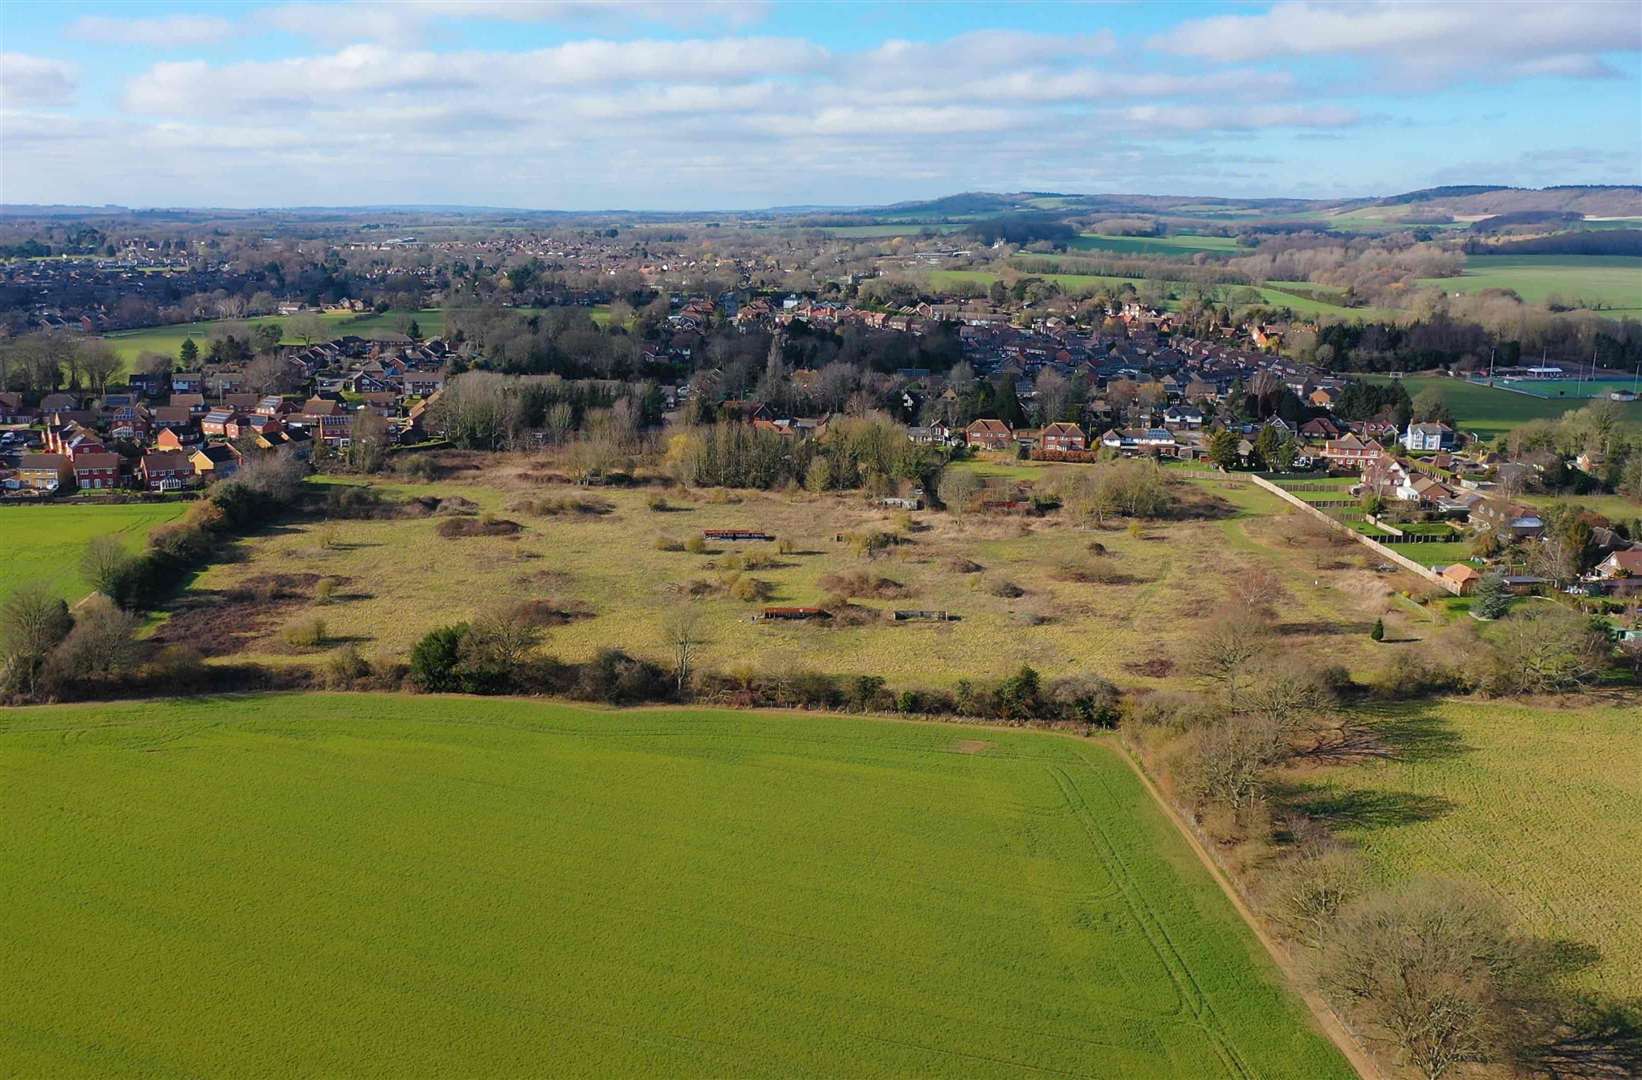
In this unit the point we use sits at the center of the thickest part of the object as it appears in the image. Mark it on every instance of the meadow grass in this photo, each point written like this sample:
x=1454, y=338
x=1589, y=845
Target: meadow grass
x=1612, y=282
x=328, y=885
x=1542, y=807
x=131, y=344
x=402, y=580
x=44, y=544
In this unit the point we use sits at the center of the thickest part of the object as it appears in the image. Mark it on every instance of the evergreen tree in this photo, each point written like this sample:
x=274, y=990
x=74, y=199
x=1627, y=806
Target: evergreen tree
x=189, y=353
x=1493, y=597
x=1378, y=633
x=413, y=331
x=1223, y=449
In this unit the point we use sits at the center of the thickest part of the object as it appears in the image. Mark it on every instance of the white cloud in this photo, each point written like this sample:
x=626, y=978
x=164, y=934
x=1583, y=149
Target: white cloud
x=163, y=32
x=405, y=23
x=1431, y=42
x=1239, y=118
x=36, y=80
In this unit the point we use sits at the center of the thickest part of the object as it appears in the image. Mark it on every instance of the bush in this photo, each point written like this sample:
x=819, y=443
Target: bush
x=488, y=525
x=306, y=634
x=667, y=543
x=751, y=590
x=325, y=590
x=618, y=679
x=1005, y=588
x=860, y=583
x=1378, y=632
x=784, y=546
x=658, y=503
x=345, y=668
x=1087, y=699
x=436, y=661
x=696, y=545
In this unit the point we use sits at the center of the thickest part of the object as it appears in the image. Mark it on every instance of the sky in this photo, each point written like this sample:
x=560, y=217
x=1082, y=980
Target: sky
x=745, y=104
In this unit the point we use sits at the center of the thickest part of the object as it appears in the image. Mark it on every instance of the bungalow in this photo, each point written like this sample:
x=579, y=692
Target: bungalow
x=97, y=472
x=1428, y=436
x=44, y=472
x=165, y=470
x=1061, y=436
x=988, y=435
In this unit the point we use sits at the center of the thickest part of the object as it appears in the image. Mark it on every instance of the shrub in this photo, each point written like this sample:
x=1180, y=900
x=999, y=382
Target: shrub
x=488, y=525
x=325, y=590
x=436, y=661
x=751, y=590
x=345, y=667
x=619, y=679
x=696, y=545
x=305, y=634
x=860, y=583
x=658, y=503
x=784, y=546
x=1087, y=699
x=1005, y=588
x=1378, y=632
x=668, y=543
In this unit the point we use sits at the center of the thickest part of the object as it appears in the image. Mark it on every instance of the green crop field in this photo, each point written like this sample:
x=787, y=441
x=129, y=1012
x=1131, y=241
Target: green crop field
x=1540, y=806
x=43, y=544
x=1489, y=411
x=330, y=885
x=1179, y=244
x=1611, y=282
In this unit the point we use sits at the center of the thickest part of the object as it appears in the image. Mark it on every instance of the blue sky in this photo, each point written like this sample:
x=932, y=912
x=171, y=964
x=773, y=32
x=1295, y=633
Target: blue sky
x=743, y=104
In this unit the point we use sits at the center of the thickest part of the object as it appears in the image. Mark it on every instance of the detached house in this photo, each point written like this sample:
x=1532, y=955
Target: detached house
x=44, y=472
x=97, y=472
x=989, y=435
x=165, y=470
x=1351, y=452
x=1429, y=436
x=1062, y=437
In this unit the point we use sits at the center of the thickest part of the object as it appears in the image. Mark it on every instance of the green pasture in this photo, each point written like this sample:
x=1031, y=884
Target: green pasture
x=1539, y=807
x=1490, y=411
x=43, y=544
x=1179, y=244
x=1612, y=283
x=346, y=885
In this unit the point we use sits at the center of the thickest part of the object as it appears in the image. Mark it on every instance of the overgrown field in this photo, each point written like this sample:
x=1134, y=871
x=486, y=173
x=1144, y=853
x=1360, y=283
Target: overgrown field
x=1611, y=282
x=1022, y=590
x=336, y=885
x=1541, y=806
x=45, y=543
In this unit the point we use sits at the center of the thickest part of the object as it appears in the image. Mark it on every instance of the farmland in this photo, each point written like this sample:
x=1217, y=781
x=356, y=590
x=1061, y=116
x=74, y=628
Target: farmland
x=1612, y=283
x=1178, y=244
x=44, y=543
x=1541, y=806
x=293, y=885
x=1017, y=585
x=130, y=344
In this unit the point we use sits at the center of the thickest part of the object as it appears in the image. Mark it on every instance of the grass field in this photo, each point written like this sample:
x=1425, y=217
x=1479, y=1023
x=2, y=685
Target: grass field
x=44, y=543
x=1540, y=806
x=1179, y=244
x=884, y=231
x=401, y=579
x=1489, y=411
x=130, y=344
x=1274, y=295
x=1612, y=282
x=1575, y=389
x=357, y=885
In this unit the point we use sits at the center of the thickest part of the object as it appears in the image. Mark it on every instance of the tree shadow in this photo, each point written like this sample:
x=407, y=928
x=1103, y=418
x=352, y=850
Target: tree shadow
x=1358, y=810
x=1593, y=1039
x=1408, y=734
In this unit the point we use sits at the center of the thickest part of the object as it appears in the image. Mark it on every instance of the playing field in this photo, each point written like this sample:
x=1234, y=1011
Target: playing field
x=130, y=344
x=1540, y=806
x=393, y=886
x=45, y=543
x=1612, y=283
x=1490, y=411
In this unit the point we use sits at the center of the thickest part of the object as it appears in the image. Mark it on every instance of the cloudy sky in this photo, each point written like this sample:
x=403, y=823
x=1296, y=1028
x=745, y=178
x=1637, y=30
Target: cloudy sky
x=746, y=103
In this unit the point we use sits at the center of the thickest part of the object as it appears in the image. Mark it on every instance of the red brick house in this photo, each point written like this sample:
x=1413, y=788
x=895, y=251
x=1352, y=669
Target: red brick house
x=1062, y=436
x=97, y=472
x=989, y=435
x=1351, y=452
x=166, y=470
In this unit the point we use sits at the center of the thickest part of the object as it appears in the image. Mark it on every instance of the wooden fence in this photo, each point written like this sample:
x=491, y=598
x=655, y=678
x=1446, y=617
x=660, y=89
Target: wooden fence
x=1367, y=541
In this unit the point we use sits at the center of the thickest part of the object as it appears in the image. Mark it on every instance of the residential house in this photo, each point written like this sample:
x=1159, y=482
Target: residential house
x=44, y=472
x=165, y=470
x=1350, y=452
x=1061, y=436
x=989, y=435
x=215, y=461
x=1620, y=564
x=97, y=472
x=1508, y=519
x=1428, y=436
x=1462, y=576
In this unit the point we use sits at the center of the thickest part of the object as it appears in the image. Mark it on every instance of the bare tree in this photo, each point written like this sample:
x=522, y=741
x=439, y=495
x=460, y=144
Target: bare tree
x=683, y=632
x=1221, y=655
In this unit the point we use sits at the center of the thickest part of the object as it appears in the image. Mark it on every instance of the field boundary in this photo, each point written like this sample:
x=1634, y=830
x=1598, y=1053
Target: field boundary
x=1332, y=1025
x=1373, y=545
